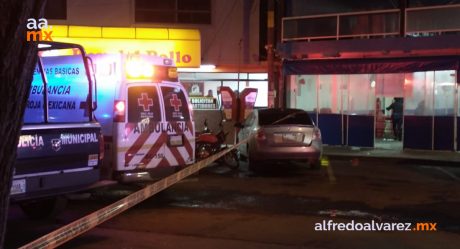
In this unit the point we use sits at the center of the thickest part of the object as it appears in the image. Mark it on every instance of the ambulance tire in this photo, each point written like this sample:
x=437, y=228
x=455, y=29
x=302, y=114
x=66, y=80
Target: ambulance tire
x=44, y=208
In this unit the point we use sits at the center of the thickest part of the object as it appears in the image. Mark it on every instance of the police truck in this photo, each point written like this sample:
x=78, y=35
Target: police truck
x=60, y=148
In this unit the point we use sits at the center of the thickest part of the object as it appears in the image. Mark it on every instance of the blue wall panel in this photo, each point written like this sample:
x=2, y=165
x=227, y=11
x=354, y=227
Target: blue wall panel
x=444, y=133
x=417, y=132
x=331, y=128
x=458, y=133
x=361, y=131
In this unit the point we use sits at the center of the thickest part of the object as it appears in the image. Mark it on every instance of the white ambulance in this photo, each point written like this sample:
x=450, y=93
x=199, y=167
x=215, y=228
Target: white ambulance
x=146, y=115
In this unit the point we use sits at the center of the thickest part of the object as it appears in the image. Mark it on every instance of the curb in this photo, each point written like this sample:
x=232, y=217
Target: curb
x=395, y=159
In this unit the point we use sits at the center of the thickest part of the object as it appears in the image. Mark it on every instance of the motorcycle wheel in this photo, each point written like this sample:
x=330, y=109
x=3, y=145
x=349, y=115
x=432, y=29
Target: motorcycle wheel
x=231, y=160
x=202, y=151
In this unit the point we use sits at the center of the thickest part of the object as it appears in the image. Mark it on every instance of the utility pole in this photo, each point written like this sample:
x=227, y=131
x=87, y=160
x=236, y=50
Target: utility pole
x=271, y=53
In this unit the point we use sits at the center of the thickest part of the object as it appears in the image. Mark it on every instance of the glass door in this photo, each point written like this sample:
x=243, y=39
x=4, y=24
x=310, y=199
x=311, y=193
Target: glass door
x=330, y=106
x=360, y=111
x=389, y=91
x=444, y=110
x=418, y=110
x=457, y=123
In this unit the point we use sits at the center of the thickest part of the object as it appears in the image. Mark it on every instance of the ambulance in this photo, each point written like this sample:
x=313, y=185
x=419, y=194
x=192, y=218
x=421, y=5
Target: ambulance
x=145, y=114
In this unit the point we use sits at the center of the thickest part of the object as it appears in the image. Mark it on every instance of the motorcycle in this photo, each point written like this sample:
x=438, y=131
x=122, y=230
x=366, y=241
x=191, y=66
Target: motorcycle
x=208, y=143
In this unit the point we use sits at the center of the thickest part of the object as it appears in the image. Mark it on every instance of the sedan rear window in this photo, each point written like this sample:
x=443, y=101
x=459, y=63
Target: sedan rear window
x=285, y=117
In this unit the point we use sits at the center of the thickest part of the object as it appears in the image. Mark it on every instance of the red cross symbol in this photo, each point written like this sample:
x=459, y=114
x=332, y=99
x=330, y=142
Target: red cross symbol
x=175, y=102
x=145, y=102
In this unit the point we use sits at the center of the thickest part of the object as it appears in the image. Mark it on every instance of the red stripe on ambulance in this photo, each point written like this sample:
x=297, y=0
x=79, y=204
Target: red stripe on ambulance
x=137, y=145
x=187, y=144
x=154, y=149
x=177, y=155
x=186, y=141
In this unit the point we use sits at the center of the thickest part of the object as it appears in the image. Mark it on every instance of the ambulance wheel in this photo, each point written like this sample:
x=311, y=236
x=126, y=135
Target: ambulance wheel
x=44, y=208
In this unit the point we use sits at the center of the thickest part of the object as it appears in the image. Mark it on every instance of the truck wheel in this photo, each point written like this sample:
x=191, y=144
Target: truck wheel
x=44, y=208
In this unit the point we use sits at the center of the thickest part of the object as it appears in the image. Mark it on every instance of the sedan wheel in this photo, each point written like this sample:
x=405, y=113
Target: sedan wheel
x=315, y=164
x=253, y=165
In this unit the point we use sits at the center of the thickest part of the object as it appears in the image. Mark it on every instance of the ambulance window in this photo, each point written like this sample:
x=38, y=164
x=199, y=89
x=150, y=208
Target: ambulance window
x=34, y=108
x=68, y=89
x=176, y=106
x=143, y=103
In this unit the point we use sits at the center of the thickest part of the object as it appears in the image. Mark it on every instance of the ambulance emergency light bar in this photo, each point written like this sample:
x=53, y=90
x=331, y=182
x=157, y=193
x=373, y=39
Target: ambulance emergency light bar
x=156, y=69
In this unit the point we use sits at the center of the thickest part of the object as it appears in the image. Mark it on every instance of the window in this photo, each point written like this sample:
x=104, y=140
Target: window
x=268, y=117
x=207, y=84
x=176, y=106
x=34, y=112
x=173, y=11
x=143, y=104
x=56, y=9
x=67, y=90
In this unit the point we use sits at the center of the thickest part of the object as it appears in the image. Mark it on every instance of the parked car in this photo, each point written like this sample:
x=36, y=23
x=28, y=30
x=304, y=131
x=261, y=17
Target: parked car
x=280, y=135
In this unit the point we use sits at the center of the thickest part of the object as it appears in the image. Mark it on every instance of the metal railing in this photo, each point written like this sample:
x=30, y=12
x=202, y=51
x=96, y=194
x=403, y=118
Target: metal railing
x=420, y=21
x=434, y=20
x=341, y=25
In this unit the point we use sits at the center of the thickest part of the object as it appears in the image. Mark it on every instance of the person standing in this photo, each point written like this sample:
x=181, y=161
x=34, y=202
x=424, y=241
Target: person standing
x=379, y=119
x=396, y=117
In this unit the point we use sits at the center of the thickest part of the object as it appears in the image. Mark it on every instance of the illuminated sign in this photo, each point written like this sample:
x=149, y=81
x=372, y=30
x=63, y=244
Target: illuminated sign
x=182, y=46
x=203, y=103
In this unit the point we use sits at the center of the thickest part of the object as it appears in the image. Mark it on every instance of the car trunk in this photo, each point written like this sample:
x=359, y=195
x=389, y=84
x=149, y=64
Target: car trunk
x=288, y=135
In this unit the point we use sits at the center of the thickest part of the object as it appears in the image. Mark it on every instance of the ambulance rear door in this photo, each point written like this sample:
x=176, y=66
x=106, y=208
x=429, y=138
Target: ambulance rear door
x=179, y=126
x=139, y=140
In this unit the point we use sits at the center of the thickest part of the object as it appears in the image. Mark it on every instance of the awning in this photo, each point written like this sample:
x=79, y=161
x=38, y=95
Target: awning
x=372, y=65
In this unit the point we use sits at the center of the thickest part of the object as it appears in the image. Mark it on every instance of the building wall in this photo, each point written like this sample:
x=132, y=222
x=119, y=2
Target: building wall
x=222, y=40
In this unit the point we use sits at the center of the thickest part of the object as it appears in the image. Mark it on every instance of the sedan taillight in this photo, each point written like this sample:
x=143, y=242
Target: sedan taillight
x=316, y=134
x=260, y=135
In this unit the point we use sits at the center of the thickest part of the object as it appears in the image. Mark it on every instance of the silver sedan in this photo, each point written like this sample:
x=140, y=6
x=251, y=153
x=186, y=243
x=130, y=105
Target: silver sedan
x=281, y=135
